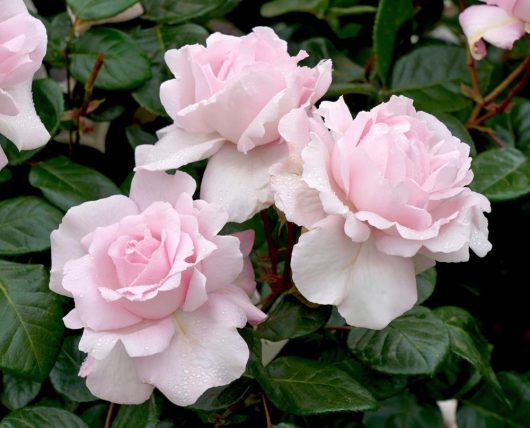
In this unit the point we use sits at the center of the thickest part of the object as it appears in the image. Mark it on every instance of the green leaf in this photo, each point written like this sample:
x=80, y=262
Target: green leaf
x=432, y=76
x=415, y=343
x=307, y=387
x=124, y=67
x=95, y=415
x=404, y=411
x=280, y=7
x=58, y=29
x=67, y=184
x=136, y=136
x=518, y=116
x=141, y=416
x=221, y=397
x=17, y=393
x=92, y=10
x=501, y=174
x=484, y=409
x=42, y=417
x=290, y=318
x=49, y=103
x=178, y=11
x=425, y=282
x=339, y=89
x=391, y=15
x=31, y=320
x=467, y=342
x=64, y=375
x=25, y=225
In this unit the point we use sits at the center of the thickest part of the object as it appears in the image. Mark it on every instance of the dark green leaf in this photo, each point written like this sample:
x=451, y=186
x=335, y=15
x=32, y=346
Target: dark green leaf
x=25, y=225
x=404, y=411
x=458, y=129
x=30, y=316
x=485, y=410
x=136, y=136
x=501, y=174
x=391, y=15
x=67, y=184
x=307, y=387
x=95, y=415
x=92, y=10
x=58, y=29
x=290, y=318
x=280, y=7
x=174, y=12
x=49, y=103
x=42, y=417
x=426, y=282
x=141, y=416
x=64, y=375
x=432, y=76
x=17, y=393
x=415, y=343
x=221, y=397
x=124, y=67
x=467, y=342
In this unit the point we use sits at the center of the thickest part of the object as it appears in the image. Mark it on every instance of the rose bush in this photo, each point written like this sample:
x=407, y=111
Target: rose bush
x=500, y=22
x=22, y=47
x=384, y=196
x=226, y=101
x=158, y=292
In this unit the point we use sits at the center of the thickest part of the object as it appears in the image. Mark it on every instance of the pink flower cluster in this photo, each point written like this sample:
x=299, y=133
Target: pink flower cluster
x=22, y=48
x=160, y=294
x=500, y=22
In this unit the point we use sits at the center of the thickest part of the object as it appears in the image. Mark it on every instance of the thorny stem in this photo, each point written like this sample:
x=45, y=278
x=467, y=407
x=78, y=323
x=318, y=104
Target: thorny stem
x=108, y=419
x=89, y=87
x=266, y=410
x=475, y=119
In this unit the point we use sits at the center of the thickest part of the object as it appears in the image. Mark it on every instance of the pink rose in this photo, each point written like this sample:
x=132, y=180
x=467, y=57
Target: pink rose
x=22, y=48
x=160, y=295
x=226, y=101
x=500, y=23
x=384, y=196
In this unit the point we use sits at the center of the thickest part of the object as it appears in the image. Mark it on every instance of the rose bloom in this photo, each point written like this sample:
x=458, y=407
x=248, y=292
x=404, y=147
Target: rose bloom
x=159, y=293
x=22, y=47
x=500, y=22
x=226, y=101
x=383, y=197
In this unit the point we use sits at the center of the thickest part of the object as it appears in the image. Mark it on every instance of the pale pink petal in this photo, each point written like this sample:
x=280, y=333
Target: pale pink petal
x=196, y=295
x=72, y=320
x=3, y=158
x=115, y=378
x=369, y=288
x=225, y=264
x=240, y=183
x=148, y=187
x=206, y=351
x=140, y=340
x=242, y=300
x=11, y=8
x=492, y=24
x=176, y=148
x=246, y=279
x=78, y=222
x=80, y=280
x=25, y=129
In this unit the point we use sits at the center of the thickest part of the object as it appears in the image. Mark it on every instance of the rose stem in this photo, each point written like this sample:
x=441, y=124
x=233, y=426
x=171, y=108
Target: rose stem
x=89, y=87
x=266, y=410
x=108, y=419
x=273, y=256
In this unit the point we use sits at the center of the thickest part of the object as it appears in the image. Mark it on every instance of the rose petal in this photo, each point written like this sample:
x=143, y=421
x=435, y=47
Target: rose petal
x=240, y=183
x=206, y=351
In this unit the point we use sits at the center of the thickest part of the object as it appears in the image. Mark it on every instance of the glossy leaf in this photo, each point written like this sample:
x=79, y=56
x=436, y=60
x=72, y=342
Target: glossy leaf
x=25, y=225
x=415, y=343
x=308, y=387
x=31, y=320
x=42, y=417
x=124, y=67
x=49, y=103
x=66, y=183
x=425, y=282
x=174, y=12
x=501, y=174
x=138, y=416
x=17, y=392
